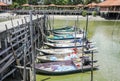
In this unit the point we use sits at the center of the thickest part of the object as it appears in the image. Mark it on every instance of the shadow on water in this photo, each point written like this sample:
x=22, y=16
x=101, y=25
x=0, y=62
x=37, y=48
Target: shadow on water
x=45, y=79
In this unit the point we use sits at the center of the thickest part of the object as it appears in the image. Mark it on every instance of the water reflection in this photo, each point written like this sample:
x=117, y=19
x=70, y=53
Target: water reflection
x=106, y=37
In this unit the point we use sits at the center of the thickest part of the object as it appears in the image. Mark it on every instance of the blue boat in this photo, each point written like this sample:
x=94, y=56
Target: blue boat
x=65, y=37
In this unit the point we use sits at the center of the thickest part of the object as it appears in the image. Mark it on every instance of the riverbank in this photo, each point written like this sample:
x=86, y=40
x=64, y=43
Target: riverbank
x=74, y=17
x=8, y=16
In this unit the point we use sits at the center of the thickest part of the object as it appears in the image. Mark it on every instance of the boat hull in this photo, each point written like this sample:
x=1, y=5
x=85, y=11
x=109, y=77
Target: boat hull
x=75, y=70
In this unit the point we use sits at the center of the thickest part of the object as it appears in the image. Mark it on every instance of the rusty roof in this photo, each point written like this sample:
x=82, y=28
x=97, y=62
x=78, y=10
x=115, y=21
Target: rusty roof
x=109, y=3
x=66, y=6
x=93, y=4
x=3, y=4
x=26, y=5
x=79, y=5
x=115, y=3
x=52, y=5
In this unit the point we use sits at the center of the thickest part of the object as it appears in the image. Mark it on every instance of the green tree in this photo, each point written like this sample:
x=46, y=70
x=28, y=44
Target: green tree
x=47, y=2
x=34, y=2
x=59, y=2
x=90, y=1
x=20, y=2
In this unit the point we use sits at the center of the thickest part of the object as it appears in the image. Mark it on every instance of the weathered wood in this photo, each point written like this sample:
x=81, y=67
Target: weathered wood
x=20, y=41
x=18, y=35
x=9, y=73
x=17, y=31
x=22, y=67
x=92, y=67
x=14, y=54
x=27, y=41
x=9, y=55
x=33, y=77
x=0, y=43
x=9, y=62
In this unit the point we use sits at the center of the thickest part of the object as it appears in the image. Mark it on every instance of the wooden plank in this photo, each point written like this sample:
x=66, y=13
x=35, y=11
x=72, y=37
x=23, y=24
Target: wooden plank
x=21, y=29
x=19, y=52
x=9, y=62
x=9, y=55
x=22, y=67
x=18, y=36
x=9, y=73
x=14, y=54
x=4, y=51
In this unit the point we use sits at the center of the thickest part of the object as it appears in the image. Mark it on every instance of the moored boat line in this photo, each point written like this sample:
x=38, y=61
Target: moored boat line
x=73, y=57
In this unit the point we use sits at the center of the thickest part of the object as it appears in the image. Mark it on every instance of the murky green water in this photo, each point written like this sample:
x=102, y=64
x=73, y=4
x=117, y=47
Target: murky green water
x=107, y=37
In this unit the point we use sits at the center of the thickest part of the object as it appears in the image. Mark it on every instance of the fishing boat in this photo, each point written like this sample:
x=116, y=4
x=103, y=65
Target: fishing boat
x=71, y=30
x=55, y=51
x=55, y=45
x=68, y=45
x=64, y=67
x=63, y=57
x=65, y=51
x=64, y=28
x=65, y=36
x=58, y=57
x=68, y=32
x=70, y=41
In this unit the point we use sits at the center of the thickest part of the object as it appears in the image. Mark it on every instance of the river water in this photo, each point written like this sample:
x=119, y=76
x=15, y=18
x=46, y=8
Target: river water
x=106, y=34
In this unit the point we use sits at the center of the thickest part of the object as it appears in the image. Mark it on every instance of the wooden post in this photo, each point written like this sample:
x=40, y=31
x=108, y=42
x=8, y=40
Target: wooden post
x=33, y=77
x=25, y=51
x=86, y=26
x=26, y=28
x=83, y=47
x=17, y=33
x=38, y=32
x=92, y=67
x=24, y=77
x=0, y=44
